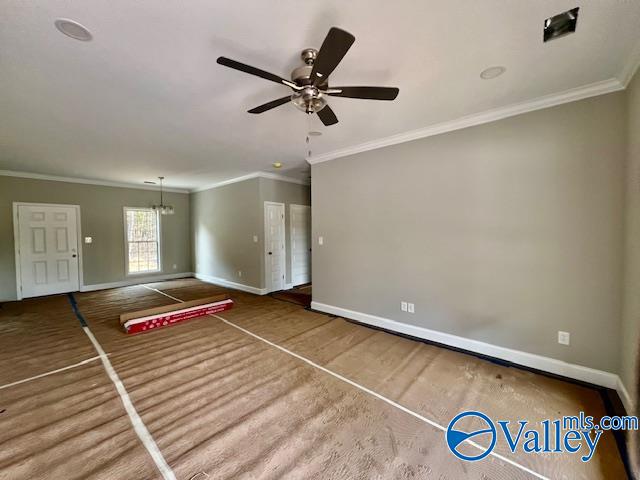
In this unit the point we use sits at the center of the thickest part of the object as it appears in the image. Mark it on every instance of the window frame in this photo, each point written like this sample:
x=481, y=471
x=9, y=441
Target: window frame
x=126, y=241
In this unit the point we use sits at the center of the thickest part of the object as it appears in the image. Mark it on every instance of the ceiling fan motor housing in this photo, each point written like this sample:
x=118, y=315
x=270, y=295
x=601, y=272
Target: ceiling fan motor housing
x=302, y=75
x=309, y=99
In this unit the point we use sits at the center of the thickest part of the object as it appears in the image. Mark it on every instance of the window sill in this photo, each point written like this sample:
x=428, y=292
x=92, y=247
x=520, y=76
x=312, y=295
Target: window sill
x=146, y=272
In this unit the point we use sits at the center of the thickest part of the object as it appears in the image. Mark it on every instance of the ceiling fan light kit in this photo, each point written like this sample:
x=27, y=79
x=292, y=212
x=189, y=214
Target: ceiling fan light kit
x=310, y=82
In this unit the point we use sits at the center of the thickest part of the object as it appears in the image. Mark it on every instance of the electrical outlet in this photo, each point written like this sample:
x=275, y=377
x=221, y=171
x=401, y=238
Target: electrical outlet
x=403, y=306
x=175, y=266
x=88, y=239
x=564, y=338
x=255, y=239
x=240, y=273
x=411, y=308
x=320, y=240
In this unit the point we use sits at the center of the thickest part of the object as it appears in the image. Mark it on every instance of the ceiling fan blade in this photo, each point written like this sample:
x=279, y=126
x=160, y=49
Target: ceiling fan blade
x=227, y=62
x=271, y=104
x=333, y=49
x=327, y=116
x=369, y=93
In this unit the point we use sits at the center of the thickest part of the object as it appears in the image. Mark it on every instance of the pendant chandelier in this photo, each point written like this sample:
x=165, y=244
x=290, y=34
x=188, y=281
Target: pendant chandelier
x=162, y=208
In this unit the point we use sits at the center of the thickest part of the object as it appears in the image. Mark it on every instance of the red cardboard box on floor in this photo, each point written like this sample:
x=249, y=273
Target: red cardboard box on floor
x=167, y=315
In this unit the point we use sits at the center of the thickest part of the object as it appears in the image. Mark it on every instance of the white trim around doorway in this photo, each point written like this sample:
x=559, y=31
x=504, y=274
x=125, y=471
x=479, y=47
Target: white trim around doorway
x=16, y=241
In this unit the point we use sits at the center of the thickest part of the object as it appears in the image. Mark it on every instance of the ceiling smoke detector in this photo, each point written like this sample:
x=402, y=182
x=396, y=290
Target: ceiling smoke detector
x=560, y=25
x=73, y=29
x=492, y=72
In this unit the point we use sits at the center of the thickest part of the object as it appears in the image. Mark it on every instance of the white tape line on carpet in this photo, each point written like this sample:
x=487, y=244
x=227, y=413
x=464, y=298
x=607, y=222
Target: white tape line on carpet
x=83, y=362
x=139, y=427
x=363, y=388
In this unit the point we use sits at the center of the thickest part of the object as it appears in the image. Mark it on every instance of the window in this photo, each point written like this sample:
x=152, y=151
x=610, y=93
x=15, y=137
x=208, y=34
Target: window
x=142, y=236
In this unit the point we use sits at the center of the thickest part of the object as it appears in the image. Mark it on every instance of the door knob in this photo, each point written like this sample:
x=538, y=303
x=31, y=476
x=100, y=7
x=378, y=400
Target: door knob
x=74, y=255
x=270, y=253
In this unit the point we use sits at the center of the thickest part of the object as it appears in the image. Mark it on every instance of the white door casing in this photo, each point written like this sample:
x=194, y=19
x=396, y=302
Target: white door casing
x=300, y=226
x=47, y=256
x=274, y=246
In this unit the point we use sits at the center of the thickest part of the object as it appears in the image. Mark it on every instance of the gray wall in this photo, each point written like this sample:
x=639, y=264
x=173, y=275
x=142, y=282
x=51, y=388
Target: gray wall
x=225, y=219
x=631, y=310
x=102, y=218
x=223, y=222
x=503, y=233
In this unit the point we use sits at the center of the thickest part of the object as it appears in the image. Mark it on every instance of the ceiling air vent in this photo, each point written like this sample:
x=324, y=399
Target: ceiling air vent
x=560, y=25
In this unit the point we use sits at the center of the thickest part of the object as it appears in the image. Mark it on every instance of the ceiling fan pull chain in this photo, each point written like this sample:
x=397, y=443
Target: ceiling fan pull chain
x=308, y=139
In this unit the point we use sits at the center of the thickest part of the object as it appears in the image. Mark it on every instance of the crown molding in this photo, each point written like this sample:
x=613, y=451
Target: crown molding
x=225, y=182
x=272, y=176
x=572, y=95
x=283, y=178
x=631, y=67
x=104, y=183
x=56, y=178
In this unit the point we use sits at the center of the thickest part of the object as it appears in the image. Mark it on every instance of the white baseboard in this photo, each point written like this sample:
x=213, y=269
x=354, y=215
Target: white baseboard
x=546, y=364
x=227, y=283
x=135, y=281
x=627, y=401
x=288, y=286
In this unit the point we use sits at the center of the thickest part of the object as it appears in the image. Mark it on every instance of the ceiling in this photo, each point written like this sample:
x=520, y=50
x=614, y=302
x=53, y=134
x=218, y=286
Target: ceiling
x=146, y=97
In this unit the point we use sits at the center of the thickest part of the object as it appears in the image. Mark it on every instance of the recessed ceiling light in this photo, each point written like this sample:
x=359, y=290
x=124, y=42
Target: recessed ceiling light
x=73, y=29
x=277, y=165
x=560, y=25
x=315, y=134
x=492, y=72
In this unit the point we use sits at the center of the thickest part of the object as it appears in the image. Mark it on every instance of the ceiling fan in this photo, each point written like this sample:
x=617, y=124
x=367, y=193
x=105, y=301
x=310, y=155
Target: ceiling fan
x=310, y=82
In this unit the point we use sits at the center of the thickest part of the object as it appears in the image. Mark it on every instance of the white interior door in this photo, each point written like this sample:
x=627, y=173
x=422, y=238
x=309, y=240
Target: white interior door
x=47, y=249
x=274, y=253
x=300, y=244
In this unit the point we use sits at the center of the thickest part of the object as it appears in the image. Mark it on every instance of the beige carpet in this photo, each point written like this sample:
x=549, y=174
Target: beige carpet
x=219, y=401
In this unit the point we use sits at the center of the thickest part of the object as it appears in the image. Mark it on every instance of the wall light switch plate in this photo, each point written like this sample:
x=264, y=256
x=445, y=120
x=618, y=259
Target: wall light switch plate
x=88, y=239
x=255, y=239
x=320, y=240
x=564, y=338
x=240, y=273
x=403, y=306
x=411, y=307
